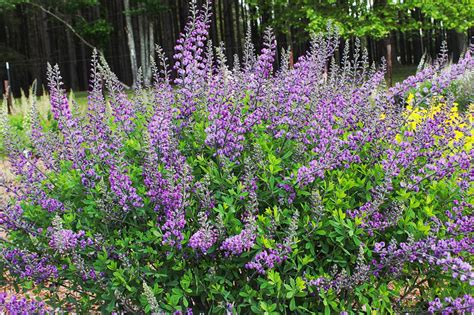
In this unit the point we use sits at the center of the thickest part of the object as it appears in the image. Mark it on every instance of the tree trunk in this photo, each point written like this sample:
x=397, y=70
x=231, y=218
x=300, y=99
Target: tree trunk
x=402, y=47
x=214, y=31
x=84, y=72
x=221, y=20
x=389, y=57
x=417, y=47
x=183, y=12
x=167, y=31
x=409, y=46
x=34, y=43
x=177, y=26
x=237, y=27
x=143, y=42
x=131, y=41
x=71, y=60
x=462, y=43
x=254, y=28
x=151, y=50
x=45, y=36
x=229, y=30
x=245, y=20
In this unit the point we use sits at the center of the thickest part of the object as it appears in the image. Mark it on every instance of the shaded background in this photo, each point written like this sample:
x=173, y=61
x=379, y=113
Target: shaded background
x=34, y=32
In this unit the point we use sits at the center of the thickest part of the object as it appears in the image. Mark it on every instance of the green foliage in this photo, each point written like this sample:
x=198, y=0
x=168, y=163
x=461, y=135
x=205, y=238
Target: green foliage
x=6, y=5
x=360, y=19
x=326, y=240
x=97, y=31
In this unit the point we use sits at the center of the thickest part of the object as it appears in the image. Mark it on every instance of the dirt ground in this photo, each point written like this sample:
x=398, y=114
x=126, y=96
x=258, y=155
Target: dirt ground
x=5, y=177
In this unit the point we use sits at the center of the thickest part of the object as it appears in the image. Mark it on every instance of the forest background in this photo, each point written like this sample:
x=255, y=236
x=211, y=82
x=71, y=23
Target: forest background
x=34, y=32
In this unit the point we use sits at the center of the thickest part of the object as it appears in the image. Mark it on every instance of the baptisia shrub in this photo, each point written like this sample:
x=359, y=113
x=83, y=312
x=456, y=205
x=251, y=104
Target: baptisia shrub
x=246, y=189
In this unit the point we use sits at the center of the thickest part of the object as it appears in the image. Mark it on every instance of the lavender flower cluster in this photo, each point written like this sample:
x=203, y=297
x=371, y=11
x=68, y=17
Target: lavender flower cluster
x=28, y=265
x=16, y=305
x=434, y=251
x=460, y=305
x=65, y=240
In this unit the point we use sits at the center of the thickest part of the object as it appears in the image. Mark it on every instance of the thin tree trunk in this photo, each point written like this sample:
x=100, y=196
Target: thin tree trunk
x=462, y=42
x=417, y=47
x=122, y=46
x=177, y=25
x=71, y=60
x=403, y=51
x=432, y=38
x=33, y=40
x=221, y=20
x=254, y=28
x=229, y=29
x=214, y=30
x=151, y=49
x=410, y=49
x=131, y=41
x=245, y=13
x=84, y=72
x=45, y=36
x=422, y=39
x=238, y=24
x=143, y=44
x=167, y=30
x=389, y=56
x=182, y=11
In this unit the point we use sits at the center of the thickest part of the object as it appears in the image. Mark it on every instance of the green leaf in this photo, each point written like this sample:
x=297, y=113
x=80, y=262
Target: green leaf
x=292, y=304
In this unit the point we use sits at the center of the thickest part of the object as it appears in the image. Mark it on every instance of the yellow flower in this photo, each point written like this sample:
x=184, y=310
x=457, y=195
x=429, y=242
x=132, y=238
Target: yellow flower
x=416, y=115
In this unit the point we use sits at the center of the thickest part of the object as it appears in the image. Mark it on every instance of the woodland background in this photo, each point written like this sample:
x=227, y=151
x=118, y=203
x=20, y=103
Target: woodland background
x=34, y=32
